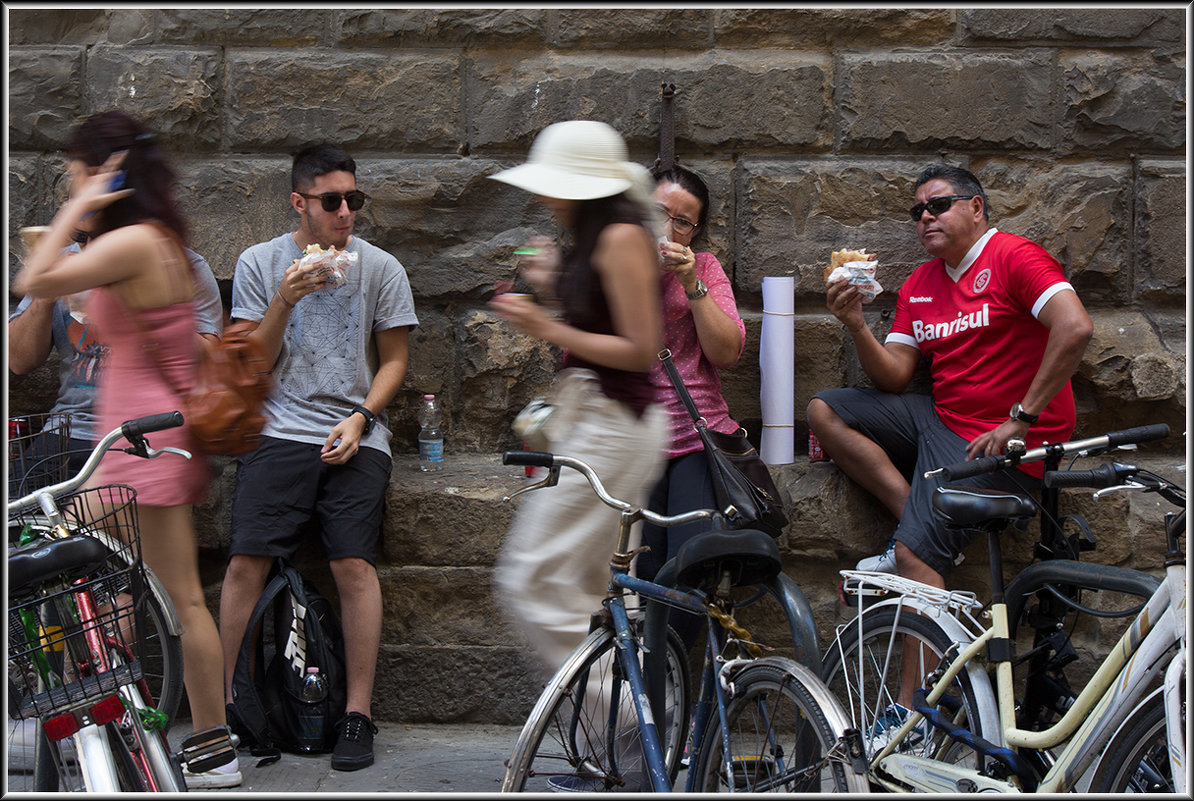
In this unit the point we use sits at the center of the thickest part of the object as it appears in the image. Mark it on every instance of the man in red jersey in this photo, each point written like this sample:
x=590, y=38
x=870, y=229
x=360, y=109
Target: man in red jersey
x=1004, y=331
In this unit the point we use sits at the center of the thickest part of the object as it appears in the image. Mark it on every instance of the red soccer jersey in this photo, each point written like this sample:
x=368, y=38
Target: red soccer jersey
x=980, y=332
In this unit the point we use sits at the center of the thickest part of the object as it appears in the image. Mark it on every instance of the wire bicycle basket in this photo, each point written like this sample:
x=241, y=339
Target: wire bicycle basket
x=62, y=609
x=38, y=452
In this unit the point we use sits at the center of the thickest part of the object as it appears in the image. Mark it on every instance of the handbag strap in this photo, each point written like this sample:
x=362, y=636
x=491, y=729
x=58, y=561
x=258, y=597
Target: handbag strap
x=665, y=356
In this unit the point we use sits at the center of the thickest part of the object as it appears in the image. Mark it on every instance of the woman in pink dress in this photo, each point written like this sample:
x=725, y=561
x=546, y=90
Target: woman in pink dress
x=142, y=298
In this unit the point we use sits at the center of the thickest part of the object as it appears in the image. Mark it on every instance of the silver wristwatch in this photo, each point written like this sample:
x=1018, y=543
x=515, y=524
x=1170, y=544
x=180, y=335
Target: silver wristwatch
x=1018, y=413
x=700, y=291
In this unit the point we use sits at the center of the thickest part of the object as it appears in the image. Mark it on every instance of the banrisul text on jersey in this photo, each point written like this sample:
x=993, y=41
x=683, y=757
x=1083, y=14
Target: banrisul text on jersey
x=963, y=322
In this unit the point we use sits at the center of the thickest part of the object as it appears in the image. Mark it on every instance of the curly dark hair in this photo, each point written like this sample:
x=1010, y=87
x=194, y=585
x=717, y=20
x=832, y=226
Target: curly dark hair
x=691, y=183
x=147, y=171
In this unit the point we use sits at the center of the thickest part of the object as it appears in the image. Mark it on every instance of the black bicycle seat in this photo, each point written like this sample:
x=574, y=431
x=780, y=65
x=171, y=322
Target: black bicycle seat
x=30, y=565
x=968, y=507
x=751, y=556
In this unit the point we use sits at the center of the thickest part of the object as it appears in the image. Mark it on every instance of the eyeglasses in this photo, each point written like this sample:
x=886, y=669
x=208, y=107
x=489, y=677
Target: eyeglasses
x=680, y=225
x=936, y=206
x=331, y=200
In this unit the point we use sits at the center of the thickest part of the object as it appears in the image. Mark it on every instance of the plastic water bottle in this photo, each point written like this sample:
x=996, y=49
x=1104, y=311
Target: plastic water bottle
x=311, y=722
x=431, y=439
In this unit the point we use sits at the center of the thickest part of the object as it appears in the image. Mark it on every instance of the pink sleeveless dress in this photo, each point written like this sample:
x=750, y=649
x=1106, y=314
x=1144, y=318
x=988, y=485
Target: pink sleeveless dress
x=132, y=385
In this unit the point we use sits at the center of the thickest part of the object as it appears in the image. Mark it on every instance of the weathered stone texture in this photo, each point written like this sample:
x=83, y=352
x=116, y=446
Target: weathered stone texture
x=778, y=101
x=425, y=27
x=661, y=30
x=1161, y=222
x=1121, y=26
x=42, y=27
x=832, y=27
x=226, y=27
x=287, y=99
x=45, y=97
x=890, y=102
x=1133, y=104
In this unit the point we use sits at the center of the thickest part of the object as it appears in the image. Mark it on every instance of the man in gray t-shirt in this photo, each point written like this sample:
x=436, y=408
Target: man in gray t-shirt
x=339, y=354
x=37, y=326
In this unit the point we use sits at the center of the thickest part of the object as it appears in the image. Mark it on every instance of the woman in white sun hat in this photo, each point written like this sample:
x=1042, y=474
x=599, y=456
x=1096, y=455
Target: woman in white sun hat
x=604, y=290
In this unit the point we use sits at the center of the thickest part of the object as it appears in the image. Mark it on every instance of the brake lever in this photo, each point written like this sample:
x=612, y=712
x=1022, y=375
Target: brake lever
x=169, y=449
x=1129, y=486
x=550, y=480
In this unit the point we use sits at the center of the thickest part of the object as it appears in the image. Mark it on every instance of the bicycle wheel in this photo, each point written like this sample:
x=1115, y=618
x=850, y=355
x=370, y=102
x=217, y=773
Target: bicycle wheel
x=783, y=737
x=583, y=735
x=865, y=671
x=1137, y=759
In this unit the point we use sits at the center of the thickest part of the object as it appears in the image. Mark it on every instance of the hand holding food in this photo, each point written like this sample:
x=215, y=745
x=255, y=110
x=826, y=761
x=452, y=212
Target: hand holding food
x=857, y=267
x=331, y=264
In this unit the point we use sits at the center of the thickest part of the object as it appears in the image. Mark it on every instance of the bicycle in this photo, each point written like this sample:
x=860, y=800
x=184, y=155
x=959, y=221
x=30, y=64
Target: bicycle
x=73, y=644
x=962, y=732
x=762, y=723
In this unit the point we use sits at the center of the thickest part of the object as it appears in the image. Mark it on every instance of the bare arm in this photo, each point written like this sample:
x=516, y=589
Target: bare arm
x=1070, y=330
x=720, y=337
x=890, y=366
x=295, y=286
x=30, y=336
x=393, y=351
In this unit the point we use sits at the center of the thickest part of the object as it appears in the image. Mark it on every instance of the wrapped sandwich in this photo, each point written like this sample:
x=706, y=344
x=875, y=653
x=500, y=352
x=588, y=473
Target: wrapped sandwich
x=857, y=267
x=332, y=264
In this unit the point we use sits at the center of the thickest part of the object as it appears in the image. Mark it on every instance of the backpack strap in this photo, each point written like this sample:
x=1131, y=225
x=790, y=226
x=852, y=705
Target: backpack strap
x=250, y=711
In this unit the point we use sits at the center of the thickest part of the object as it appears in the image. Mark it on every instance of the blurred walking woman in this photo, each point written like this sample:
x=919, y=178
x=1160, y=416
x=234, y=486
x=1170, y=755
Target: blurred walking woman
x=142, y=303
x=554, y=567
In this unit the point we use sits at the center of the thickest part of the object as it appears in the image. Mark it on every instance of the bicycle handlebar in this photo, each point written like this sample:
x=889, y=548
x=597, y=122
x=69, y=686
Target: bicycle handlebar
x=1101, y=477
x=553, y=462
x=990, y=464
x=133, y=430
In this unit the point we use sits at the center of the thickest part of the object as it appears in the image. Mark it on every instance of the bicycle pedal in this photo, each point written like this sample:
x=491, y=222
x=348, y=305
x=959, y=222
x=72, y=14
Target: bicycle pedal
x=207, y=749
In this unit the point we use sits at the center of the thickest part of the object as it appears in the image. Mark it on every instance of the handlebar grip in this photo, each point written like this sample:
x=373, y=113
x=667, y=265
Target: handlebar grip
x=531, y=458
x=1139, y=434
x=975, y=467
x=154, y=422
x=1099, y=477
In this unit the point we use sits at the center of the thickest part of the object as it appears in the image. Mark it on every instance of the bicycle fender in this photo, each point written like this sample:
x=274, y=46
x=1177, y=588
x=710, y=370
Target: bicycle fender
x=1087, y=575
x=980, y=680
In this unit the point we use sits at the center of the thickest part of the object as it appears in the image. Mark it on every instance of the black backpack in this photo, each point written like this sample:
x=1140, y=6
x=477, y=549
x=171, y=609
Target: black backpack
x=267, y=703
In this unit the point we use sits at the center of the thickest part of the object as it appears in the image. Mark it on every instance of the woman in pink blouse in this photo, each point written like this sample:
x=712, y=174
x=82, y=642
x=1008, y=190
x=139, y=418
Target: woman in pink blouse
x=702, y=329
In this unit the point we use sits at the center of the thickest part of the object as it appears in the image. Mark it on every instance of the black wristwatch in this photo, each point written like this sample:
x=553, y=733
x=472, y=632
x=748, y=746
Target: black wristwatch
x=1019, y=414
x=369, y=416
x=699, y=292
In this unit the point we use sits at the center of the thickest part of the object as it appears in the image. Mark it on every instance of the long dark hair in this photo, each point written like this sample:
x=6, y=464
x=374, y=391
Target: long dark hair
x=147, y=172
x=691, y=183
x=591, y=217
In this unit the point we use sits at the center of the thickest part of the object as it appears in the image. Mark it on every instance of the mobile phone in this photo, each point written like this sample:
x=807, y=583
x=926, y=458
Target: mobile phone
x=117, y=181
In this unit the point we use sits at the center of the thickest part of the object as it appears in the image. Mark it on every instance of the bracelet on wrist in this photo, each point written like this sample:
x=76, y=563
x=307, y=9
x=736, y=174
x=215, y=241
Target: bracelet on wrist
x=278, y=292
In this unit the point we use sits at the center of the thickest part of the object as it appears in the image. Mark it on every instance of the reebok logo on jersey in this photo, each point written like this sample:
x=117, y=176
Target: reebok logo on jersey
x=921, y=299
x=963, y=322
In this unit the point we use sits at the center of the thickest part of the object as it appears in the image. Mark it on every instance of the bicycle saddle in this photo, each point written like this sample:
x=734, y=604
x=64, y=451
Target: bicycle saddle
x=968, y=507
x=751, y=556
x=29, y=566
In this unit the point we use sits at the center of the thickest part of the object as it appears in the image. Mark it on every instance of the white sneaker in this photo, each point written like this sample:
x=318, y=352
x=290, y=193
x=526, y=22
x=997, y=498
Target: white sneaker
x=227, y=775
x=883, y=563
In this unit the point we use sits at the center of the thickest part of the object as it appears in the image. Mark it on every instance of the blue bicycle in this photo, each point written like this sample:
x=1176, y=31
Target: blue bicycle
x=614, y=717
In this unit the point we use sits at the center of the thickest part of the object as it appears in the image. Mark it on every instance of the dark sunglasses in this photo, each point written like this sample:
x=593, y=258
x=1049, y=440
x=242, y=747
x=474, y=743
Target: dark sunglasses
x=936, y=206
x=331, y=200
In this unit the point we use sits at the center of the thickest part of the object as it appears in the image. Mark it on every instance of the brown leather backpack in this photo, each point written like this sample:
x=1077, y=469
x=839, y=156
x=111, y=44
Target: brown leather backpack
x=233, y=379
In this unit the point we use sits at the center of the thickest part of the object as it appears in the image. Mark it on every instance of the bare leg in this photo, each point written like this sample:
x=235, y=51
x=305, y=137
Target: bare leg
x=360, y=608
x=243, y=582
x=169, y=548
x=859, y=457
x=912, y=566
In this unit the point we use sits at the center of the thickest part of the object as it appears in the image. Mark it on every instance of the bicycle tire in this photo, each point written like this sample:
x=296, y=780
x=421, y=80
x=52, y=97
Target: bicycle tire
x=160, y=650
x=785, y=733
x=564, y=744
x=1137, y=758
x=867, y=697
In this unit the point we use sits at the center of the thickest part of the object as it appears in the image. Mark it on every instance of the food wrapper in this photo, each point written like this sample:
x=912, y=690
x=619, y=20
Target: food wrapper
x=860, y=274
x=333, y=264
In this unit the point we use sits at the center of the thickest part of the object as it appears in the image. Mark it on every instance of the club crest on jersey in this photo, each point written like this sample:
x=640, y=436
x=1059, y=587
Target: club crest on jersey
x=981, y=280
x=963, y=322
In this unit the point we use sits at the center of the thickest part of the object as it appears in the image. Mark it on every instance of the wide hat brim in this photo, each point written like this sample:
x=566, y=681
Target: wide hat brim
x=549, y=181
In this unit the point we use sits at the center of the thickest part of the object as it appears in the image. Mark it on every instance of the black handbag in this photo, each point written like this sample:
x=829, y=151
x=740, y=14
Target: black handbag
x=742, y=484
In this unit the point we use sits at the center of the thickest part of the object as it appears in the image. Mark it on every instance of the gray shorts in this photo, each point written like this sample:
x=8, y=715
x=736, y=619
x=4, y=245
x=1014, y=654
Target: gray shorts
x=910, y=432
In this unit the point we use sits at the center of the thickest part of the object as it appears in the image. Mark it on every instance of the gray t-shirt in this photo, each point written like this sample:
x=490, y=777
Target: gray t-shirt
x=328, y=357
x=82, y=353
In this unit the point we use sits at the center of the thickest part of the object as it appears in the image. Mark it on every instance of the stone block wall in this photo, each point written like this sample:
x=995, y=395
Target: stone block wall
x=810, y=126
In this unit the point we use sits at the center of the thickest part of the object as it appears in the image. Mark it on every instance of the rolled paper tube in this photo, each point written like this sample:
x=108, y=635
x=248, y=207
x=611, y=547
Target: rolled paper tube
x=776, y=366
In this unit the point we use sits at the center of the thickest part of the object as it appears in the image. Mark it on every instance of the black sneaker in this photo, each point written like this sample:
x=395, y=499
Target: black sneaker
x=354, y=745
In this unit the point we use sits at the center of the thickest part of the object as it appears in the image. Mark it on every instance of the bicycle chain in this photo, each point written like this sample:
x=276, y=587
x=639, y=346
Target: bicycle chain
x=739, y=633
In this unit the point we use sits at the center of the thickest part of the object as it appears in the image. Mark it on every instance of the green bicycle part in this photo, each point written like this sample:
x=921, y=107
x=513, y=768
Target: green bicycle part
x=27, y=535
x=153, y=719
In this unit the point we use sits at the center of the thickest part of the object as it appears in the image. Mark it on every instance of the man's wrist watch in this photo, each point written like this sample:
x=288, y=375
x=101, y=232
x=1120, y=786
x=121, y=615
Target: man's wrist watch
x=1022, y=416
x=700, y=291
x=369, y=416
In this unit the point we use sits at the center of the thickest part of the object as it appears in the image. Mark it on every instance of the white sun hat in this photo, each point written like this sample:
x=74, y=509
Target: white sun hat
x=576, y=160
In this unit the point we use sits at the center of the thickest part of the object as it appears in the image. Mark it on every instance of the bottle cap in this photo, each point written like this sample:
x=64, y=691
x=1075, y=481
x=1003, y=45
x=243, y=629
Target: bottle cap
x=428, y=397
x=312, y=669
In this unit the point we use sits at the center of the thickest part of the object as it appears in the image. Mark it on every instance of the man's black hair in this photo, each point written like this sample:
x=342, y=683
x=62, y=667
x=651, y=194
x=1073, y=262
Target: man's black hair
x=316, y=160
x=963, y=182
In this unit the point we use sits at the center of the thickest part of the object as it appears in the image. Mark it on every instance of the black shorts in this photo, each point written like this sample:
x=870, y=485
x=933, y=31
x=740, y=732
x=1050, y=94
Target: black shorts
x=282, y=485
x=910, y=432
